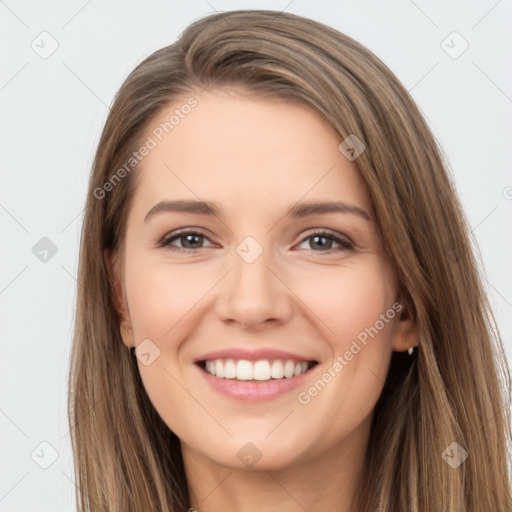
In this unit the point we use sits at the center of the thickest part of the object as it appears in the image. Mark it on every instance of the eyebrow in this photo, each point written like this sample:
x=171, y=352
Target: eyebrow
x=296, y=211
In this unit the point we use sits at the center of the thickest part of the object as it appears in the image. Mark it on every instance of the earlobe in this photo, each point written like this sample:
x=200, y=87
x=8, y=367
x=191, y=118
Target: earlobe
x=406, y=334
x=127, y=334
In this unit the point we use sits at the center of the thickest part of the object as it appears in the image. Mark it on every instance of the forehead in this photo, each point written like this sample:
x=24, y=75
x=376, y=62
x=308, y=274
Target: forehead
x=241, y=150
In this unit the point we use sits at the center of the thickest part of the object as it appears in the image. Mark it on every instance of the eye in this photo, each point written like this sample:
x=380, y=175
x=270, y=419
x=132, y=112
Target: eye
x=325, y=239
x=192, y=240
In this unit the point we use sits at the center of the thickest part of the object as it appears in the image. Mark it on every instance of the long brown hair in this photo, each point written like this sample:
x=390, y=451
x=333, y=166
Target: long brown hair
x=454, y=389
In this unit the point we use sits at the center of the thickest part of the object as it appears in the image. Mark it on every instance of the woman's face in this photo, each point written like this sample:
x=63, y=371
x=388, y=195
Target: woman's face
x=262, y=281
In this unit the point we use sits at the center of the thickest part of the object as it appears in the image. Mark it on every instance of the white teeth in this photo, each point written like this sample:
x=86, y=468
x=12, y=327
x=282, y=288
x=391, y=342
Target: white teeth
x=261, y=370
x=219, y=369
x=210, y=367
x=244, y=370
x=230, y=369
x=289, y=368
x=277, y=371
x=255, y=370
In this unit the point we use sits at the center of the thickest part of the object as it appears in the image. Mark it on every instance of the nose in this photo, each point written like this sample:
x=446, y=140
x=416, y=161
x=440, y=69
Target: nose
x=254, y=295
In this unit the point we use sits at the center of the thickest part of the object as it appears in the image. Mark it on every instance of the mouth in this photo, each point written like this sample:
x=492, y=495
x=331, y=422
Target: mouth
x=263, y=370
x=259, y=381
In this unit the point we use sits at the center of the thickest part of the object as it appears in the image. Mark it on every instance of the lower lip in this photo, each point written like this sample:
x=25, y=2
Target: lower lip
x=254, y=391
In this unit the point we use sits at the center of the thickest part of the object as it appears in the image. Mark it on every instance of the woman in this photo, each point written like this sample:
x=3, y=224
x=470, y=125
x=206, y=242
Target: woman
x=279, y=308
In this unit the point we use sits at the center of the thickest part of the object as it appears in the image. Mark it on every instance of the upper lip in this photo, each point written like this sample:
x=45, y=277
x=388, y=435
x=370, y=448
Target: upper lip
x=252, y=355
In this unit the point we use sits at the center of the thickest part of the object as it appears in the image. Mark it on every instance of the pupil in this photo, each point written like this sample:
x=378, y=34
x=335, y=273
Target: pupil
x=188, y=238
x=315, y=238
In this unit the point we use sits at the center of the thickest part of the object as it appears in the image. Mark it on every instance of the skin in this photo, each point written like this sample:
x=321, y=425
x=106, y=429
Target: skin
x=255, y=158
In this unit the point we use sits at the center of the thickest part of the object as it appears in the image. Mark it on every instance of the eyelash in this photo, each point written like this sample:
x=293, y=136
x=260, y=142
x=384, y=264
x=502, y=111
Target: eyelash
x=345, y=244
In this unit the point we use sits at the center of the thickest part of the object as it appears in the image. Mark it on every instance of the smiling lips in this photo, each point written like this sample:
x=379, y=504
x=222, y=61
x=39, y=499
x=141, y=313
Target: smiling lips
x=260, y=365
x=256, y=370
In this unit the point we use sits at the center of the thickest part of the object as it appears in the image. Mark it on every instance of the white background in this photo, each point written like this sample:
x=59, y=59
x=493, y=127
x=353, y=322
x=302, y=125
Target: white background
x=52, y=112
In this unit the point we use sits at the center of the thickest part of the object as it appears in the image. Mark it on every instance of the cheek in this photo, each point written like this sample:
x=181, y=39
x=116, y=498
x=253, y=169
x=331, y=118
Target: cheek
x=160, y=296
x=349, y=300
x=353, y=310
x=163, y=300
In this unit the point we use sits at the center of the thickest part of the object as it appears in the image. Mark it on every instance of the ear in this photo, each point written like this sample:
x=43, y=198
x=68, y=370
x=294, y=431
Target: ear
x=120, y=303
x=407, y=333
